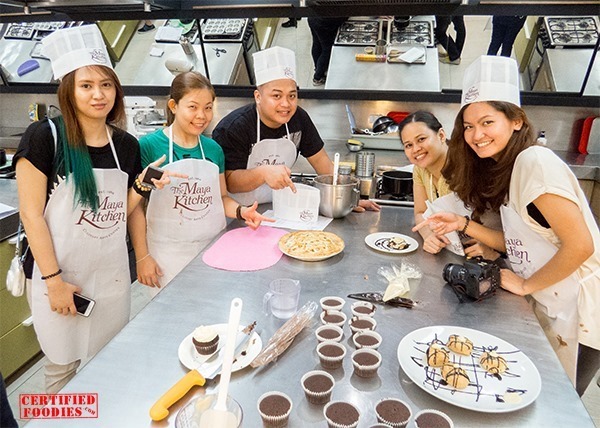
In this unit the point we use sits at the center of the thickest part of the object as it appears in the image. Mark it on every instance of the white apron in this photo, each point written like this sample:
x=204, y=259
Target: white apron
x=91, y=250
x=274, y=151
x=557, y=306
x=183, y=218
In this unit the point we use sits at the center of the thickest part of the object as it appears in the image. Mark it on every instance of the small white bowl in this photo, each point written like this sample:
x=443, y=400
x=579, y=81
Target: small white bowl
x=339, y=314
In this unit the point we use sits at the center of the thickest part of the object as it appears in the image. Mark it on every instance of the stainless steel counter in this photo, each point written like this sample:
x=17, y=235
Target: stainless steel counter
x=13, y=53
x=568, y=68
x=222, y=68
x=141, y=362
x=347, y=73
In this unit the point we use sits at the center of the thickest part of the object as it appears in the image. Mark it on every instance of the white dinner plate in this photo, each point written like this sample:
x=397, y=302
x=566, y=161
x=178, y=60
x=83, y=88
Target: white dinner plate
x=190, y=358
x=516, y=388
x=380, y=241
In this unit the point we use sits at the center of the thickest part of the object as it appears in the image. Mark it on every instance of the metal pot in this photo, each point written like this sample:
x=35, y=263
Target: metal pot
x=339, y=200
x=397, y=183
x=382, y=123
x=401, y=22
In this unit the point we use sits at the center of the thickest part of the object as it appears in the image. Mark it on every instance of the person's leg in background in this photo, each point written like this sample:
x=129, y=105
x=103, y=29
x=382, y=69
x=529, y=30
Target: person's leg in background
x=498, y=32
x=461, y=33
x=316, y=50
x=291, y=22
x=57, y=375
x=441, y=28
x=148, y=26
x=512, y=29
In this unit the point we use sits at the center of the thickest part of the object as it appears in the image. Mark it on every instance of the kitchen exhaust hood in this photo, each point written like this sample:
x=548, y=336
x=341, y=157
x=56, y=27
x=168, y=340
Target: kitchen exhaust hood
x=89, y=6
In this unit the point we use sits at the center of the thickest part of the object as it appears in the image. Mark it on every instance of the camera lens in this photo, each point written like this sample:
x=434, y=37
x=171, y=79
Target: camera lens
x=453, y=272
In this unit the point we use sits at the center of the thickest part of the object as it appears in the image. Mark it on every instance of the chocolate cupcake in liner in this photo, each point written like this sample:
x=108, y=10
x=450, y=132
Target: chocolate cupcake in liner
x=317, y=386
x=363, y=309
x=341, y=414
x=274, y=408
x=366, y=362
x=333, y=317
x=329, y=332
x=331, y=354
x=205, y=340
x=332, y=303
x=392, y=411
x=380, y=425
x=430, y=418
x=367, y=339
x=362, y=323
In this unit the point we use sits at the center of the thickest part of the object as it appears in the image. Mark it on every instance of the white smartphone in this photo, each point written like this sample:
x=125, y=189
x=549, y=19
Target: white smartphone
x=83, y=304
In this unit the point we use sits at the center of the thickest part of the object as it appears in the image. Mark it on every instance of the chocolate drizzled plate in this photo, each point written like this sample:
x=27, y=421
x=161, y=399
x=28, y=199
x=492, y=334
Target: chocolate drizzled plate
x=516, y=388
x=385, y=242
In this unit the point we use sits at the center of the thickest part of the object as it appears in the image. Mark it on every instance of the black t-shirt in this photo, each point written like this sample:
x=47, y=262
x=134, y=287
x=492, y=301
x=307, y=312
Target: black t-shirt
x=37, y=146
x=236, y=134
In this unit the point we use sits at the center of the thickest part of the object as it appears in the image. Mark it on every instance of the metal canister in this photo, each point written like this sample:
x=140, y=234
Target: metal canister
x=365, y=164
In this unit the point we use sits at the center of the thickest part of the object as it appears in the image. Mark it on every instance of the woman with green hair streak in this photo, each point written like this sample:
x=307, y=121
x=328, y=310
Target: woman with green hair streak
x=77, y=179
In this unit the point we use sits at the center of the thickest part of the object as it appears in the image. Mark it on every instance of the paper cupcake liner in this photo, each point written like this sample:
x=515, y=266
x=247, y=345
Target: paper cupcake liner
x=331, y=362
x=437, y=412
x=369, y=333
x=340, y=324
x=207, y=350
x=331, y=326
x=332, y=424
x=363, y=304
x=338, y=307
x=280, y=421
x=317, y=397
x=366, y=371
x=356, y=330
x=394, y=424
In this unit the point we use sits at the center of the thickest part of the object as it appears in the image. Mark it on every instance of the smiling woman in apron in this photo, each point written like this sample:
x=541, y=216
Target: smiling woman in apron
x=550, y=234
x=74, y=178
x=424, y=142
x=182, y=220
x=262, y=140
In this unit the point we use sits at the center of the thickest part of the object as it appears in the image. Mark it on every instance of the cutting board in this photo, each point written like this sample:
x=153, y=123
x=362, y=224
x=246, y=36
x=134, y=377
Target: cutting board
x=593, y=144
x=588, y=141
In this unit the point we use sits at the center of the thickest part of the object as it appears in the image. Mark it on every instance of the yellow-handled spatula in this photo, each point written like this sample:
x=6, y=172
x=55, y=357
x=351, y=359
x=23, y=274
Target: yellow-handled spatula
x=197, y=376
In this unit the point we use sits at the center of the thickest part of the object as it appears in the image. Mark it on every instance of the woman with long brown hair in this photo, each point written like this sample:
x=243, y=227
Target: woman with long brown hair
x=550, y=235
x=78, y=178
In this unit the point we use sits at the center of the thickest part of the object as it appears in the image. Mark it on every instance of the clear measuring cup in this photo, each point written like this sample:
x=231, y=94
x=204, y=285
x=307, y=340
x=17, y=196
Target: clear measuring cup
x=282, y=298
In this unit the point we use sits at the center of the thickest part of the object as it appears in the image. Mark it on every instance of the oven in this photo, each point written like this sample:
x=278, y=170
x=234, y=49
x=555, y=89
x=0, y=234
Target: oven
x=230, y=30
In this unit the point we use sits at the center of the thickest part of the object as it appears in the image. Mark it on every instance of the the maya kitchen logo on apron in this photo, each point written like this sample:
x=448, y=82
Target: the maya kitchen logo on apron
x=191, y=196
x=271, y=160
x=105, y=221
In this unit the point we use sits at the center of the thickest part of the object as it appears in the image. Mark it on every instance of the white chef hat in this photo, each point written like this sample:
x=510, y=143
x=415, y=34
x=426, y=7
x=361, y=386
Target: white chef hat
x=71, y=48
x=491, y=78
x=273, y=64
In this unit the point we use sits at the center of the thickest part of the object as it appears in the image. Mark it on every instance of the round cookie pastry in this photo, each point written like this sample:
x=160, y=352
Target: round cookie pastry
x=205, y=339
x=437, y=356
x=459, y=344
x=455, y=376
x=493, y=363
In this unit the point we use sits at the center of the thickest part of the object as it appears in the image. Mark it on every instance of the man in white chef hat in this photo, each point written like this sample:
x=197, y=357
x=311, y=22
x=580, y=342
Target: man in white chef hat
x=261, y=140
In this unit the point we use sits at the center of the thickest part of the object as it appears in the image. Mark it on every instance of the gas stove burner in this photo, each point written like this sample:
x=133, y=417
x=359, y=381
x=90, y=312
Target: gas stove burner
x=358, y=33
x=346, y=38
x=417, y=32
x=367, y=38
x=567, y=31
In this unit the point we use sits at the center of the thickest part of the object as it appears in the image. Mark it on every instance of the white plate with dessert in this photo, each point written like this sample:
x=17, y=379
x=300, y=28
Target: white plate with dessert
x=469, y=368
x=189, y=356
x=393, y=243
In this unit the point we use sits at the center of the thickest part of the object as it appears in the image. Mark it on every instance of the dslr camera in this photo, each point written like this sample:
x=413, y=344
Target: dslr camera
x=477, y=277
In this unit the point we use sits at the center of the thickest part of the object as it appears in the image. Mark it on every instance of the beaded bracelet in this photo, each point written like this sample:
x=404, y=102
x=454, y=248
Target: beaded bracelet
x=141, y=189
x=468, y=220
x=52, y=275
